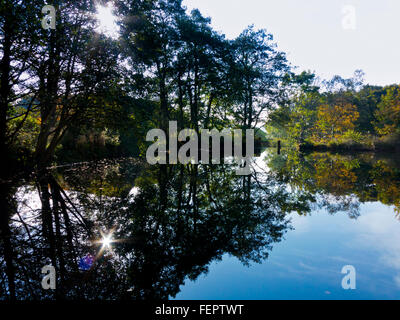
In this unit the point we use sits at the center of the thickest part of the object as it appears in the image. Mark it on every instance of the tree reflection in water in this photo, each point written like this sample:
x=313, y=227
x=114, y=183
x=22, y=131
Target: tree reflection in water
x=340, y=183
x=124, y=230
x=178, y=220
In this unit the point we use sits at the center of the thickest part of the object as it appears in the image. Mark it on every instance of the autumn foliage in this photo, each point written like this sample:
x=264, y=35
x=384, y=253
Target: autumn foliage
x=334, y=120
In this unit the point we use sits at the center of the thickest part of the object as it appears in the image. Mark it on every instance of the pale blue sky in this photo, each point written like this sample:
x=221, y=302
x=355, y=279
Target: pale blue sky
x=311, y=33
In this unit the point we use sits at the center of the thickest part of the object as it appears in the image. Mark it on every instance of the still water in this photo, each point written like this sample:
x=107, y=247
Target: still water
x=355, y=223
x=124, y=230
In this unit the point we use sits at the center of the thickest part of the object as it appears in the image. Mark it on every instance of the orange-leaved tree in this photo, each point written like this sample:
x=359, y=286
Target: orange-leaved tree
x=335, y=120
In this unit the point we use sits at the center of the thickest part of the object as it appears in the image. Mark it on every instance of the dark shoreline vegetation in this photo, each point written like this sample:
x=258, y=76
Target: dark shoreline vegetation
x=75, y=107
x=377, y=145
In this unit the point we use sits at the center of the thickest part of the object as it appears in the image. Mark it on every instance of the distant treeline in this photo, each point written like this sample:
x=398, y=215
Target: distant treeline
x=339, y=114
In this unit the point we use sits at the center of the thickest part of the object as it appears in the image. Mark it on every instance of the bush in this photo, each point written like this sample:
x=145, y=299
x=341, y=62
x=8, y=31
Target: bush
x=353, y=136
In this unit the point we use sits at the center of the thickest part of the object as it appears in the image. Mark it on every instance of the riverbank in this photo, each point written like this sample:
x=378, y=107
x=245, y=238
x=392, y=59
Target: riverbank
x=374, y=144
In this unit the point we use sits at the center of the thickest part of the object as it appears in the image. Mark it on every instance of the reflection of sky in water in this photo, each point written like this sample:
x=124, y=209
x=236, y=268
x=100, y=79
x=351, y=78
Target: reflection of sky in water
x=308, y=263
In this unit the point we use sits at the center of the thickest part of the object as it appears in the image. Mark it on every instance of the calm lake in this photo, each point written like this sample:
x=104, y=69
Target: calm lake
x=353, y=219
x=126, y=230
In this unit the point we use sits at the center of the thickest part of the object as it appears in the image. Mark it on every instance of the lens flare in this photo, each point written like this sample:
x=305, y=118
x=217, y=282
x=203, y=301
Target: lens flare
x=106, y=241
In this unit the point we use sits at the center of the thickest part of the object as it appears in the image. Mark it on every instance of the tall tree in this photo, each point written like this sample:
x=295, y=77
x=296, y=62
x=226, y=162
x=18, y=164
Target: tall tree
x=19, y=37
x=202, y=68
x=74, y=65
x=150, y=40
x=259, y=70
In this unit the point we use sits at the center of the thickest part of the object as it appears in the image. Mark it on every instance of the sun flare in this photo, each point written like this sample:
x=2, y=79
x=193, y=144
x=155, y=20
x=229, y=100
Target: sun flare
x=106, y=241
x=107, y=21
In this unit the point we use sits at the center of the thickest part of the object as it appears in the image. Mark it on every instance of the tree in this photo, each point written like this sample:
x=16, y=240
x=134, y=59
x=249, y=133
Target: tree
x=150, y=42
x=335, y=120
x=367, y=100
x=19, y=36
x=73, y=65
x=258, y=74
x=201, y=69
x=297, y=115
x=388, y=113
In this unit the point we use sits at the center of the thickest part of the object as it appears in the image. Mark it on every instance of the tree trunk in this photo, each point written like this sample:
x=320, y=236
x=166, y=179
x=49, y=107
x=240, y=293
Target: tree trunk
x=5, y=88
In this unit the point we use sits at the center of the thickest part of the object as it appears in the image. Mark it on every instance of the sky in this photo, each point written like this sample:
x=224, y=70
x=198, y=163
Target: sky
x=332, y=37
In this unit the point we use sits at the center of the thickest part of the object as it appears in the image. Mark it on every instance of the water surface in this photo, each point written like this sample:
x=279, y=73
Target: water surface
x=124, y=230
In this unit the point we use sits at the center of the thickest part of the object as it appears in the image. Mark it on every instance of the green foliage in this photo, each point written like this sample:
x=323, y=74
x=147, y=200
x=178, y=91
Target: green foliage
x=388, y=113
x=353, y=136
x=25, y=126
x=95, y=95
x=344, y=115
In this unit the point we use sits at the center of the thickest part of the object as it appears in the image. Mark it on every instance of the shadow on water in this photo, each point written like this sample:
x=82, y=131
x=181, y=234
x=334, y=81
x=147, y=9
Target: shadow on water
x=124, y=230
